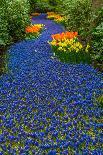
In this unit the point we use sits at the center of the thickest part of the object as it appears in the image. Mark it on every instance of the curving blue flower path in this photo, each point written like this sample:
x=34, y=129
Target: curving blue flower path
x=46, y=106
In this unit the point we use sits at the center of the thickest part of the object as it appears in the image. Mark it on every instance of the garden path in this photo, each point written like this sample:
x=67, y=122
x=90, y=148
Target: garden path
x=46, y=105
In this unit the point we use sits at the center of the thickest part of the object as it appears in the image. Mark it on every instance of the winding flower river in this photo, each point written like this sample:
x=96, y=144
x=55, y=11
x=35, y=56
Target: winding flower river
x=46, y=106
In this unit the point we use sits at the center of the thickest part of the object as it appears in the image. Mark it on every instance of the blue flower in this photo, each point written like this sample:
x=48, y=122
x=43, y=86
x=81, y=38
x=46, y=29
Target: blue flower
x=52, y=153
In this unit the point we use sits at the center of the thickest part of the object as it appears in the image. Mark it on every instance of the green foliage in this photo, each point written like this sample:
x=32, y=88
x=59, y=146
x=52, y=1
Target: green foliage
x=4, y=35
x=14, y=17
x=97, y=43
x=60, y=7
x=18, y=18
x=32, y=5
x=97, y=37
x=73, y=57
x=79, y=15
x=98, y=17
x=83, y=17
x=44, y=6
x=53, y=3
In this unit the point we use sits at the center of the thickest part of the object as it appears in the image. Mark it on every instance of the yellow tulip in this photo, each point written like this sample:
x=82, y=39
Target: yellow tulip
x=53, y=43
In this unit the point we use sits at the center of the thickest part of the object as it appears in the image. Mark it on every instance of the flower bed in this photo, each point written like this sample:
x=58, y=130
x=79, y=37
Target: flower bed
x=33, y=31
x=67, y=48
x=34, y=15
x=46, y=107
x=56, y=17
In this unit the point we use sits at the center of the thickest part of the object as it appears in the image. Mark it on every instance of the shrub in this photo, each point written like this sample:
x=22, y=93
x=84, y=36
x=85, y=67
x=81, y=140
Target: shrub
x=4, y=35
x=18, y=18
x=14, y=17
x=98, y=16
x=44, y=6
x=97, y=43
x=84, y=17
x=32, y=5
x=59, y=6
x=97, y=39
x=78, y=13
x=53, y=3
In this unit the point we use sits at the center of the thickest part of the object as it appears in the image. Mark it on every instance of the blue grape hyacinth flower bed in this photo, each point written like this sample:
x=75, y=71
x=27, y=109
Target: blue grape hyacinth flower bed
x=46, y=106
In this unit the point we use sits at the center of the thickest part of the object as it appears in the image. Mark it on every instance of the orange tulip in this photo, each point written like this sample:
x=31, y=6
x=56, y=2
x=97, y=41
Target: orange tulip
x=32, y=29
x=64, y=35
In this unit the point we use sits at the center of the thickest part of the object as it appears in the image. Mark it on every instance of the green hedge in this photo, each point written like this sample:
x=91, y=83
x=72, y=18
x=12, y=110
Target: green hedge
x=79, y=13
x=4, y=34
x=84, y=17
x=97, y=43
x=18, y=18
x=42, y=6
x=32, y=5
x=14, y=17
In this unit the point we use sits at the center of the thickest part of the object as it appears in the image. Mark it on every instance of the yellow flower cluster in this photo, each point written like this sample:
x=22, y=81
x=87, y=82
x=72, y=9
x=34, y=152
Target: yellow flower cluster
x=50, y=13
x=59, y=19
x=67, y=45
x=55, y=17
x=40, y=25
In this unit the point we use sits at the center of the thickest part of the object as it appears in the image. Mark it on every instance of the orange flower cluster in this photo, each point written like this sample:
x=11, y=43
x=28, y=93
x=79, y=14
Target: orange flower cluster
x=56, y=17
x=34, y=28
x=64, y=35
x=35, y=14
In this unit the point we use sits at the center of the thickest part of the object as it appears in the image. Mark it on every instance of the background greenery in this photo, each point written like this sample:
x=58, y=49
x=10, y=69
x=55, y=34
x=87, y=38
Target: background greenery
x=42, y=5
x=18, y=18
x=4, y=34
x=86, y=17
x=14, y=17
x=97, y=37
